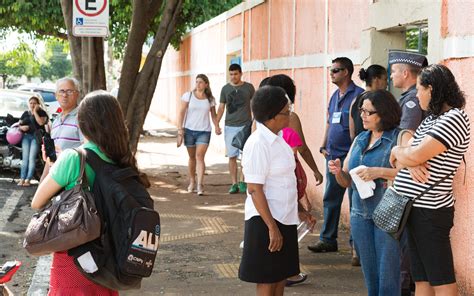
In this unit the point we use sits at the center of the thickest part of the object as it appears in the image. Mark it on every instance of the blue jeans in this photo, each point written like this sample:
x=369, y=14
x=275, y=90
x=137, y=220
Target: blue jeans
x=379, y=256
x=30, y=149
x=332, y=200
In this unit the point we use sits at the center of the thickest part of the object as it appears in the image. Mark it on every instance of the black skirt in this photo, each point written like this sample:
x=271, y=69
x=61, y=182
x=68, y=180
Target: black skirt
x=258, y=264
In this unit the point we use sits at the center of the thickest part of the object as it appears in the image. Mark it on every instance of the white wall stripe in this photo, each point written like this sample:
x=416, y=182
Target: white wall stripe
x=234, y=45
x=458, y=47
x=297, y=62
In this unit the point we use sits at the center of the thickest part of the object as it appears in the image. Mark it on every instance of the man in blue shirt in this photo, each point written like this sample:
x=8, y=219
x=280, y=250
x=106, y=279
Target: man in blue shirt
x=336, y=144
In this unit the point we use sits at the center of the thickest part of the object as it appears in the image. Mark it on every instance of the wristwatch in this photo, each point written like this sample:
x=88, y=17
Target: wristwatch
x=321, y=149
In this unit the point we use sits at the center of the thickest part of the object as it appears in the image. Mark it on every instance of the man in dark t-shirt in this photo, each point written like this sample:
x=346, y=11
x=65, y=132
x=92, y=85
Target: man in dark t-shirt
x=235, y=100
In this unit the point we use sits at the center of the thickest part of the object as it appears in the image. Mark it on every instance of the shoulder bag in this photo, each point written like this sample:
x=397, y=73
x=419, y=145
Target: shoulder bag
x=67, y=221
x=180, y=138
x=391, y=214
x=241, y=137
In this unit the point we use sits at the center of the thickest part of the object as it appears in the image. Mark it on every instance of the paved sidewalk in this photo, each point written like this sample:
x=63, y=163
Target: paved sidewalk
x=199, y=252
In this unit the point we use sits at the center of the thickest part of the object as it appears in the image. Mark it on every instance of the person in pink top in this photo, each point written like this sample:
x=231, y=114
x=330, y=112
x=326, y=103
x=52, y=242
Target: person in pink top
x=292, y=138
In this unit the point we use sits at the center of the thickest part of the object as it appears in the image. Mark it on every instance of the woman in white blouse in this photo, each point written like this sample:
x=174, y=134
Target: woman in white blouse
x=270, y=253
x=194, y=127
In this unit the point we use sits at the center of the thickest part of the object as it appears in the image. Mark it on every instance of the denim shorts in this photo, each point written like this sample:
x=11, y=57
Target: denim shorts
x=193, y=138
x=229, y=134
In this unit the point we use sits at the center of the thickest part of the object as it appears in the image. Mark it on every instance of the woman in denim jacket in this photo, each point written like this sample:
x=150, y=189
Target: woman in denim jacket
x=367, y=170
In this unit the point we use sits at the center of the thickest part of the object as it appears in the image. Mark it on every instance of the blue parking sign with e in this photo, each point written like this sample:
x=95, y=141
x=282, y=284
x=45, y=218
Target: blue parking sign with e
x=79, y=21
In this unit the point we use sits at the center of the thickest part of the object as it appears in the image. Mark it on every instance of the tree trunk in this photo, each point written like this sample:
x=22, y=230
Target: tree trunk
x=145, y=83
x=87, y=55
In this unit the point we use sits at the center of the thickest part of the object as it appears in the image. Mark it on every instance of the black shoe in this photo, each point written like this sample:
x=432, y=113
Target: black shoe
x=323, y=247
x=301, y=278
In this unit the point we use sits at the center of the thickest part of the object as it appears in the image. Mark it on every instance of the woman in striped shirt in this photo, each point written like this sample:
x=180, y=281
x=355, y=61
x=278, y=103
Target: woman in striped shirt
x=433, y=155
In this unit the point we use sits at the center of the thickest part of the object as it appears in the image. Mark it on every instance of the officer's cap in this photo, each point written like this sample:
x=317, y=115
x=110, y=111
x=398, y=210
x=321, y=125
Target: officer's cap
x=406, y=57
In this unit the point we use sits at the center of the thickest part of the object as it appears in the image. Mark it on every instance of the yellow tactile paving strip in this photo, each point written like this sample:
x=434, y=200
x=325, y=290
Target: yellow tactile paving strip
x=230, y=270
x=210, y=226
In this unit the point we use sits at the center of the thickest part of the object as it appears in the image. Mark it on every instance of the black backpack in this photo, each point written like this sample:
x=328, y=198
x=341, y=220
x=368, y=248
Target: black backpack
x=126, y=250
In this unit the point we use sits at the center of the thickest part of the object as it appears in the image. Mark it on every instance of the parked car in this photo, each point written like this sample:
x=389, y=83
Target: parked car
x=12, y=105
x=47, y=91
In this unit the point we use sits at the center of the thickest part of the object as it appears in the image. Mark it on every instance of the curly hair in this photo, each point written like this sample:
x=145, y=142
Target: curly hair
x=445, y=89
x=386, y=106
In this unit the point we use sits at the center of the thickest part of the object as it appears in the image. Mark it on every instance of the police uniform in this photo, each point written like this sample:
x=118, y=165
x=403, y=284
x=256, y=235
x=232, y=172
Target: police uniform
x=412, y=115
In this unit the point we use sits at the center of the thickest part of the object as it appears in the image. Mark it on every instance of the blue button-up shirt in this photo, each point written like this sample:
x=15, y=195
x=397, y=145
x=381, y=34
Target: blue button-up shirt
x=339, y=140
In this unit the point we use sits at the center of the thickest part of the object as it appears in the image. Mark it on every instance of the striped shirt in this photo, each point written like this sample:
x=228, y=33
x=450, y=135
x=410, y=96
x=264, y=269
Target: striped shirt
x=65, y=131
x=451, y=128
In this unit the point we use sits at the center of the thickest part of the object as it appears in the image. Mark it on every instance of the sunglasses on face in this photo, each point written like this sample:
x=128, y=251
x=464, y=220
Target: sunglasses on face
x=365, y=112
x=336, y=70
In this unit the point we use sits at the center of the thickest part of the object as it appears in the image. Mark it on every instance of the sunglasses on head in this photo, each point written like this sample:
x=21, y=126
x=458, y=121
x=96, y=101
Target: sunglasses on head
x=336, y=70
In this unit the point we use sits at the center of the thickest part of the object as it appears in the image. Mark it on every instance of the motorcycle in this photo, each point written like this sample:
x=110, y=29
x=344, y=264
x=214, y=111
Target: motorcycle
x=11, y=155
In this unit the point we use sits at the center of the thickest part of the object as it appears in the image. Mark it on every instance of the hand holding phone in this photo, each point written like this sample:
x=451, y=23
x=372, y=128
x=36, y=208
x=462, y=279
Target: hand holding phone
x=49, y=148
x=8, y=270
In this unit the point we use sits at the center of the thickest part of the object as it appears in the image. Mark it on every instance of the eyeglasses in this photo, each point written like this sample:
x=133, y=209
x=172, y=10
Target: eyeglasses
x=365, y=112
x=336, y=70
x=67, y=92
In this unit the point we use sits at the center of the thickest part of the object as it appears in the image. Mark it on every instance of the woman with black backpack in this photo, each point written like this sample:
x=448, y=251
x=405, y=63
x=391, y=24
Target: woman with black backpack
x=103, y=125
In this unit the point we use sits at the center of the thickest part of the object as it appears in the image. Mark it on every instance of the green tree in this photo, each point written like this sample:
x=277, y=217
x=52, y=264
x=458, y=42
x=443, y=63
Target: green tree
x=132, y=23
x=55, y=62
x=18, y=62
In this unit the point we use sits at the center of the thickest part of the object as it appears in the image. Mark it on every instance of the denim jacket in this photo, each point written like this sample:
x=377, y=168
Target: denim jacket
x=377, y=156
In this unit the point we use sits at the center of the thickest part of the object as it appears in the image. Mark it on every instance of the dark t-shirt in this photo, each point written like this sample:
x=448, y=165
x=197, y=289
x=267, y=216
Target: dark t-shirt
x=358, y=125
x=237, y=101
x=27, y=118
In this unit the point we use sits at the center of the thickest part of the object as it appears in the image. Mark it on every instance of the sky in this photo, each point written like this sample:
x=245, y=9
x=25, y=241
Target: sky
x=14, y=38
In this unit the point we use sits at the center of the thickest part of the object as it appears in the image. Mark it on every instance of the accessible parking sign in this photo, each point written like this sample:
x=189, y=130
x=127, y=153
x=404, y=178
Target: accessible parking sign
x=90, y=18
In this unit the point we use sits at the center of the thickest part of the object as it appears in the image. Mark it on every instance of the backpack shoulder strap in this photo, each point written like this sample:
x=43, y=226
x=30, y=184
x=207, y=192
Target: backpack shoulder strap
x=94, y=160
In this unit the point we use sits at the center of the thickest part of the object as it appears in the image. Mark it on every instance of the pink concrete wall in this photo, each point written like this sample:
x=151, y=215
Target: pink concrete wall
x=259, y=32
x=346, y=21
x=309, y=27
x=234, y=27
x=462, y=233
x=455, y=18
x=281, y=28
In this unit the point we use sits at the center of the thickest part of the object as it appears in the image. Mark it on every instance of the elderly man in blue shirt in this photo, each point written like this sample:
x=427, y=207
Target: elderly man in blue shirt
x=336, y=144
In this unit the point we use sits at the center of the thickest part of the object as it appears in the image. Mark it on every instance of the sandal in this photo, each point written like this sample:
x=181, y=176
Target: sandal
x=26, y=183
x=301, y=277
x=21, y=183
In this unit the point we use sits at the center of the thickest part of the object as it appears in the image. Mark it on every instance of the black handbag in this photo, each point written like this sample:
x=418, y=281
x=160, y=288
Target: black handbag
x=241, y=137
x=391, y=214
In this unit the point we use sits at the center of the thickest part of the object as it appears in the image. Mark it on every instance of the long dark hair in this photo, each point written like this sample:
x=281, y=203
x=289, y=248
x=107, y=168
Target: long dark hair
x=444, y=88
x=207, y=91
x=373, y=71
x=101, y=121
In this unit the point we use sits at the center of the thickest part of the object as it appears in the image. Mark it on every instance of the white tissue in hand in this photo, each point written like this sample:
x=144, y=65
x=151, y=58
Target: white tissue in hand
x=365, y=188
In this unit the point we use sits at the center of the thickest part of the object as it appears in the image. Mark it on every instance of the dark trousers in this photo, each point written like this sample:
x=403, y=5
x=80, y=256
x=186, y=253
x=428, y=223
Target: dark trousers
x=332, y=200
x=405, y=274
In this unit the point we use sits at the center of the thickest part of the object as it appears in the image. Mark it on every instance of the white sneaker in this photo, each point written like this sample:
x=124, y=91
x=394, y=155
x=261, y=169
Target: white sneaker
x=191, y=188
x=200, y=190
